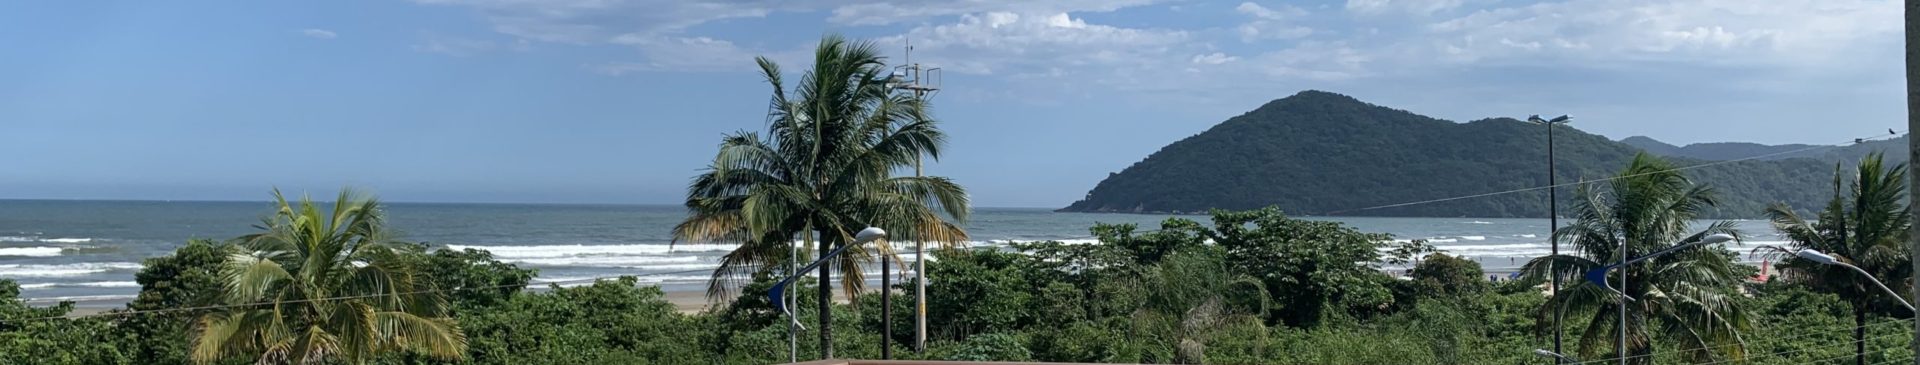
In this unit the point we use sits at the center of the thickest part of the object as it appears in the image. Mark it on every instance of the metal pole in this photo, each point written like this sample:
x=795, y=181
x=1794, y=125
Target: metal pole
x=793, y=301
x=919, y=283
x=1553, y=224
x=886, y=305
x=1913, y=154
x=1623, y=301
x=919, y=247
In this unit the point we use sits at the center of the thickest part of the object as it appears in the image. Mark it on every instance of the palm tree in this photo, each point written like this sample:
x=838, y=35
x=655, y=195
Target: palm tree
x=1686, y=295
x=315, y=288
x=1866, y=225
x=824, y=165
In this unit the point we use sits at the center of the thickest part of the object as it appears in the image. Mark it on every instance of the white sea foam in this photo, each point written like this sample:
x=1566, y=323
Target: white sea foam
x=1474, y=238
x=96, y=284
x=1477, y=222
x=1498, y=247
x=1526, y=235
x=1442, y=240
x=578, y=281
x=19, y=239
x=674, y=267
x=604, y=261
x=67, y=240
x=557, y=251
x=81, y=298
x=563, y=279
x=908, y=257
x=30, y=251
x=62, y=270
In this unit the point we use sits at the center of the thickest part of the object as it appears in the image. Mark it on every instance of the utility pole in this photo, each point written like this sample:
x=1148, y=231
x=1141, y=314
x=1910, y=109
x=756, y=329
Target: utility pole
x=912, y=77
x=1913, y=153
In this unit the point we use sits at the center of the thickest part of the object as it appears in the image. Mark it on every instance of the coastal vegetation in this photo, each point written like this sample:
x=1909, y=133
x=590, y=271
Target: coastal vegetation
x=1248, y=287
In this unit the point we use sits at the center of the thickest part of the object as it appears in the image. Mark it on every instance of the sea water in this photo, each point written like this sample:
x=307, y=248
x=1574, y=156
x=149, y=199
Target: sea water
x=89, y=250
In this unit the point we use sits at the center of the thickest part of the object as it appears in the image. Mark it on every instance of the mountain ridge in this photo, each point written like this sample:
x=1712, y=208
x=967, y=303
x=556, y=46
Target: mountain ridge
x=1319, y=153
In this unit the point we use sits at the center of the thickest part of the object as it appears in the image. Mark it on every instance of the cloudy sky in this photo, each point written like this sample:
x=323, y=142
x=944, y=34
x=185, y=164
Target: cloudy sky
x=622, y=101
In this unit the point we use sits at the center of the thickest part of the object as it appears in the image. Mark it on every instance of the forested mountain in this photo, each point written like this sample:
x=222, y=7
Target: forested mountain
x=1320, y=153
x=1894, y=148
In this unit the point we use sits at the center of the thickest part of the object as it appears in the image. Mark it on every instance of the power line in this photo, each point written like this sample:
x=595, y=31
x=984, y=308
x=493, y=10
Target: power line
x=223, y=306
x=1690, y=167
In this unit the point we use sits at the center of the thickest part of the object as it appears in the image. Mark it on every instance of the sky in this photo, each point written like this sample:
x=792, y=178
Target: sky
x=623, y=101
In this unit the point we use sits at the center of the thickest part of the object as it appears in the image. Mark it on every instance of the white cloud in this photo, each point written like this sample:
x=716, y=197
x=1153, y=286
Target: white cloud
x=1415, y=7
x=1002, y=42
x=318, y=33
x=1258, y=11
x=1777, y=32
x=665, y=53
x=889, y=12
x=1270, y=23
x=1314, y=61
x=1213, y=58
x=595, y=21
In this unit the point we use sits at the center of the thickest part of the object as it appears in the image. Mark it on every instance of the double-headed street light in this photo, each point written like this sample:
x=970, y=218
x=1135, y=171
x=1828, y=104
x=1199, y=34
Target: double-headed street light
x=778, y=292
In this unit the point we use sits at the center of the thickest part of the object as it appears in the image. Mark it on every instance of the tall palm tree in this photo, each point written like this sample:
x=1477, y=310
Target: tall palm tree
x=824, y=165
x=1686, y=295
x=1866, y=224
x=316, y=288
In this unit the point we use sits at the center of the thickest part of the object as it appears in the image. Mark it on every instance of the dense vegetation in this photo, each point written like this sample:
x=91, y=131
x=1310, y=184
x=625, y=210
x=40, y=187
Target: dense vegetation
x=1250, y=287
x=1890, y=145
x=1321, y=153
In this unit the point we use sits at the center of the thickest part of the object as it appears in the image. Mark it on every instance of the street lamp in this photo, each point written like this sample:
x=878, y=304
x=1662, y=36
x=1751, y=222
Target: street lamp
x=779, y=289
x=1599, y=276
x=1557, y=357
x=1553, y=214
x=1825, y=259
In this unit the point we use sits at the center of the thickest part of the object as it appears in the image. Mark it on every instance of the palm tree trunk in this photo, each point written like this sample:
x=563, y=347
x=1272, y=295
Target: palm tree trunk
x=1859, y=333
x=826, y=297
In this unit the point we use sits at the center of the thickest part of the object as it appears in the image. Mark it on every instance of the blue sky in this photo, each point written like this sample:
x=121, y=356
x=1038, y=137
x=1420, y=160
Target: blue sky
x=622, y=101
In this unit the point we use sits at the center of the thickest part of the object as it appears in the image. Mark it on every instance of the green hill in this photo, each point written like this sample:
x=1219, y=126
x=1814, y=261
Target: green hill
x=1894, y=148
x=1320, y=153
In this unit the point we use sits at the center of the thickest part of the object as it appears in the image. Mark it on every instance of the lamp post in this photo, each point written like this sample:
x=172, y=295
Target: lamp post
x=1825, y=259
x=1599, y=276
x=1553, y=215
x=779, y=289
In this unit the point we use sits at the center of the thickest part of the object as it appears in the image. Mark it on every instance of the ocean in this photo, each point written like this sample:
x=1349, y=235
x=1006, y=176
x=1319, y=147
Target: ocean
x=89, y=250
